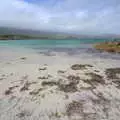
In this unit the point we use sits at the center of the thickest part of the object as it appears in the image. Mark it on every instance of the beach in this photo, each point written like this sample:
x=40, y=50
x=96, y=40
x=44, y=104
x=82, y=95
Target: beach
x=58, y=86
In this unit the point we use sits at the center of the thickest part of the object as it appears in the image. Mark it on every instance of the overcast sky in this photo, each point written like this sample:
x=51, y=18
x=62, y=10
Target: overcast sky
x=81, y=16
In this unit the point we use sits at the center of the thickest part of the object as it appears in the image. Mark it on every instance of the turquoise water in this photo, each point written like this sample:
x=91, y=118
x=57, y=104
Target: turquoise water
x=71, y=47
x=50, y=43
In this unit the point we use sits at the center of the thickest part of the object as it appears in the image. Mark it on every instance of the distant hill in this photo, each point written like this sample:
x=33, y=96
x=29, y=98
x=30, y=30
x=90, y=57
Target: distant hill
x=7, y=30
x=15, y=33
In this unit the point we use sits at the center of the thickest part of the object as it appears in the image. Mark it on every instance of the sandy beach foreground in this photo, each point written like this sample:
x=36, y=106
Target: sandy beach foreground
x=58, y=87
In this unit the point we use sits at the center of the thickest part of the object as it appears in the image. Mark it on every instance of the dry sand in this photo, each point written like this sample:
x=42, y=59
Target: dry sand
x=58, y=87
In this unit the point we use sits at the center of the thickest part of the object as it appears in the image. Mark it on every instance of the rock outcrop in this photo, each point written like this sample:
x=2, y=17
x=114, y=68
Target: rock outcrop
x=109, y=46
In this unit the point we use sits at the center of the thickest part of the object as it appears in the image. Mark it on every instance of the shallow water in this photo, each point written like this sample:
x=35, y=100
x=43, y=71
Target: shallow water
x=69, y=47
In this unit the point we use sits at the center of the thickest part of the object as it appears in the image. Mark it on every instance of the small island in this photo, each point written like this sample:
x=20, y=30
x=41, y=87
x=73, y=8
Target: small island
x=113, y=46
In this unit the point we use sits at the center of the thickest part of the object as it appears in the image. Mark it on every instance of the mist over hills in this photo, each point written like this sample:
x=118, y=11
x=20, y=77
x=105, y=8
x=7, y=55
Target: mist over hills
x=16, y=33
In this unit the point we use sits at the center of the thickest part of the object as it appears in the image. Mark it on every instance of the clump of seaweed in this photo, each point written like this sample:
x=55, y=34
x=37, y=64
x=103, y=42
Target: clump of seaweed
x=43, y=77
x=44, y=68
x=23, y=114
x=49, y=83
x=101, y=101
x=71, y=86
x=73, y=79
x=117, y=82
x=11, y=88
x=112, y=73
x=96, y=79
x=20, y=115
x=35, y=92
x=68, y=88
x=60, y=71
x=9, y=91
x=80, y=66
x=1, y=78
x=25, y=77
x=26, y=86
x=96, y=70
x=23, y=58
x=75, y=108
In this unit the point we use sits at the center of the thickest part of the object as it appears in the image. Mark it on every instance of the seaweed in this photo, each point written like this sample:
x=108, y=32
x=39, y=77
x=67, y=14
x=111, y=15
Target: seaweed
x=80, y=66
x=112, y=73
x=49, y=83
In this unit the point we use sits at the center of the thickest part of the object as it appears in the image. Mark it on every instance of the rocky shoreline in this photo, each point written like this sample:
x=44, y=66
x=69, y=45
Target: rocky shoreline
x=112, y=47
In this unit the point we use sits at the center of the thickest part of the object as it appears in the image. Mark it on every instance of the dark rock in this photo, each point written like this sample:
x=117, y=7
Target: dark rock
x=113, y=47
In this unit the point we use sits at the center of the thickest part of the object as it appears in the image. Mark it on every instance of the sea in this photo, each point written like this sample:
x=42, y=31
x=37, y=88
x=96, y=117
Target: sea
x=73, y=47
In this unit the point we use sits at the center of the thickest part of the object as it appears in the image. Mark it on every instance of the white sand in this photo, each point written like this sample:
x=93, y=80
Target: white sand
x=31, y=99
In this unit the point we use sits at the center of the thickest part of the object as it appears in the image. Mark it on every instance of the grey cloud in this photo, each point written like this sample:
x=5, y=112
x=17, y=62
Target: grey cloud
x=88, y=16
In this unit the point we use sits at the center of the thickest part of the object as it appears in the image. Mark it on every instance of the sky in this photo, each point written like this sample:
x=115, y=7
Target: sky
x=77, y=16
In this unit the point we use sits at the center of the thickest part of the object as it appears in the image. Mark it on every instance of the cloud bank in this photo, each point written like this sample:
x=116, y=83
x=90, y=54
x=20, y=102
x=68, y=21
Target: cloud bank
x=80, y=16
